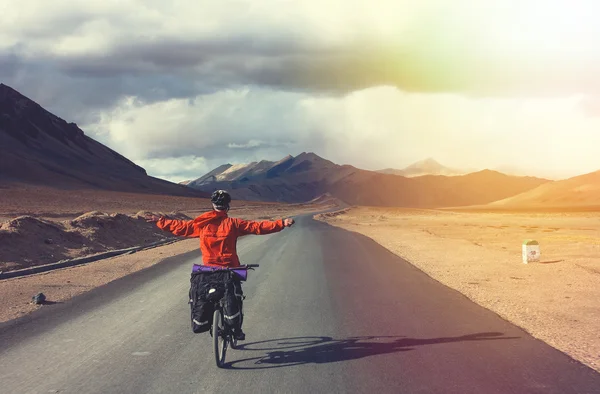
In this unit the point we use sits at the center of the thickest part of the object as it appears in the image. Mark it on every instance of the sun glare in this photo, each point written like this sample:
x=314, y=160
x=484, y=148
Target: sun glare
x=539, y=26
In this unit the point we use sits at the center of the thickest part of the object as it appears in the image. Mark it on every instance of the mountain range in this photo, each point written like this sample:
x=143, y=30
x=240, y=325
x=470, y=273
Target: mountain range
x=306, y=176
x=37, y=147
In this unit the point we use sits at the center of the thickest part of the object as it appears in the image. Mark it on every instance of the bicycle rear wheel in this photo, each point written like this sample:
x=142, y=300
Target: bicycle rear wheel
x=219, y=338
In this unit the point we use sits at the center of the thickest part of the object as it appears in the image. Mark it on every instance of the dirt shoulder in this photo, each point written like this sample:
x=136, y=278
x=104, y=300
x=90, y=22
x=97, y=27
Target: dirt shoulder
x=63, y=284
x=479, y=254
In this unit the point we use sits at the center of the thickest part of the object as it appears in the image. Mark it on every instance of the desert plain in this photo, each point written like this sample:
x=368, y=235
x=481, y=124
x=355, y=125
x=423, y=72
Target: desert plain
x=479, y=254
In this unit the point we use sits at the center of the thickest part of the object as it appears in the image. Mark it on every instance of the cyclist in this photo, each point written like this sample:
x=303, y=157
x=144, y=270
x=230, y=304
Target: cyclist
x=218, y=235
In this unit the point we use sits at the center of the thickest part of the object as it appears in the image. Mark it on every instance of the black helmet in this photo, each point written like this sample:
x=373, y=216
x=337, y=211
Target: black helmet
x=221, y=199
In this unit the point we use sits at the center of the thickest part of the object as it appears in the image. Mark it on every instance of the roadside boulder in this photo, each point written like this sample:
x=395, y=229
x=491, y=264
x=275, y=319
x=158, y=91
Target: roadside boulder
x=38, y=299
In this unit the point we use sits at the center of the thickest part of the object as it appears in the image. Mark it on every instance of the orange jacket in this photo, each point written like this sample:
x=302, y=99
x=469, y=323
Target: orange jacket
x=218, y=234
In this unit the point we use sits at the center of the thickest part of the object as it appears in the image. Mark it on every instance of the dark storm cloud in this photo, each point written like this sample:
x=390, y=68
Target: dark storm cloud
x=180, y=68
x=78, y=87
x=162, y=55
x=286, y=62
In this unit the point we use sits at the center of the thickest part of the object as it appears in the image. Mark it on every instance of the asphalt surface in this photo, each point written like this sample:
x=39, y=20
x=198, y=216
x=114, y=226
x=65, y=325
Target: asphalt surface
x=327, y=311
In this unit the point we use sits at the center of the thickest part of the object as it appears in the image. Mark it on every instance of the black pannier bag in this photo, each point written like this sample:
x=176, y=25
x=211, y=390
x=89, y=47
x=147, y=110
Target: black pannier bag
x=202, y=311
x=208, y=288
x=233, y=305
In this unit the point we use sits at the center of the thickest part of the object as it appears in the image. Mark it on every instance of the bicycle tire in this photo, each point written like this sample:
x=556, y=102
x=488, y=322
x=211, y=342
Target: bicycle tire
x=219, y=338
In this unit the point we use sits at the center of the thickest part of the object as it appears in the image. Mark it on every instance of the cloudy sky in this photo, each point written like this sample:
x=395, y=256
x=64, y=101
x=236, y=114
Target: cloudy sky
x=181, y=86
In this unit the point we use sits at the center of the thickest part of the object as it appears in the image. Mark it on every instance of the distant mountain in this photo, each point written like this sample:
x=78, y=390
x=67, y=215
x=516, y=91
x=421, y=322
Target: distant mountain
x=291, y=179
x=308, y=176
x=37, y=147
x=579, y=191
x=423, y=167
x=238, y=172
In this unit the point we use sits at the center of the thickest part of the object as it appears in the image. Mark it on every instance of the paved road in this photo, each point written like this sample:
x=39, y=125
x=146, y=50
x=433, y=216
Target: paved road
x=328, y=311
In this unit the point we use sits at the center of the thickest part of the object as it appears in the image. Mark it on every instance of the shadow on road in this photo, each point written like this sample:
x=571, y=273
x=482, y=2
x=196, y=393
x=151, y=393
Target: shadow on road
x=288, y=352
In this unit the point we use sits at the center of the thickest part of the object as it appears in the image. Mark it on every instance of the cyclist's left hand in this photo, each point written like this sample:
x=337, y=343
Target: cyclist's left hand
x=288, y=222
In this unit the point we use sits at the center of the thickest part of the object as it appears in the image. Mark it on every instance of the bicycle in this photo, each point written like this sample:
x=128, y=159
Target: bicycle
x=221, y=333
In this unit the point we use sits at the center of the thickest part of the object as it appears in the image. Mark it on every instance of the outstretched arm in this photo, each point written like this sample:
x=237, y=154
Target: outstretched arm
x=259, y=228
x=183, y=228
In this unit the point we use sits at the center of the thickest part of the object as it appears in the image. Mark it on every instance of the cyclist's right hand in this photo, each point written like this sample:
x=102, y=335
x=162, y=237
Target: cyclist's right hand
x=288, y=222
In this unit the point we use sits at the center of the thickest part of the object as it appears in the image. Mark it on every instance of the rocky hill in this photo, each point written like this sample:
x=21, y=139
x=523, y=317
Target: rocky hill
x=579, y=191
x=37, y=147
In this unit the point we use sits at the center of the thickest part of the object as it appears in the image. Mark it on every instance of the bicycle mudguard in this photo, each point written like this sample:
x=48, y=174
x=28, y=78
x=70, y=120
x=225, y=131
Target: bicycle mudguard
x=242, y=274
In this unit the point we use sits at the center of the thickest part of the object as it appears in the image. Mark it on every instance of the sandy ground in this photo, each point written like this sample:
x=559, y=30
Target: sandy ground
x=479, y=254
x=56, y=210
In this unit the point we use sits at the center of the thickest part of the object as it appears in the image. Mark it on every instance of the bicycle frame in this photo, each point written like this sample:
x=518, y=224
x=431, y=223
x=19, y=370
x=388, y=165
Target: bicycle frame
x=223, y=334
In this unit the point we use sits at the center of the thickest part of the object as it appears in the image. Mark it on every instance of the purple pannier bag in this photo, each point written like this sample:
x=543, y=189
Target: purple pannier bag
x=242, y=274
